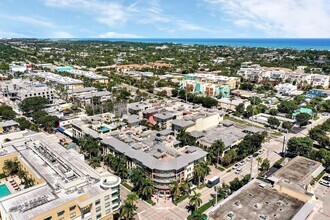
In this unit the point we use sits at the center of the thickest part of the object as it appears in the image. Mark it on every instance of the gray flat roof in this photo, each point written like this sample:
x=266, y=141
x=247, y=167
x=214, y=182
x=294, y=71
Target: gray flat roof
x=8, y=123
x=182, y=123
x=254, y=201
x=149, y=161
x=164, y=115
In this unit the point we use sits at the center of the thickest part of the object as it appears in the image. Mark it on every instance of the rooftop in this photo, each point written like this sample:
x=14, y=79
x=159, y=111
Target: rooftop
x=252, y=201
x=297, y=173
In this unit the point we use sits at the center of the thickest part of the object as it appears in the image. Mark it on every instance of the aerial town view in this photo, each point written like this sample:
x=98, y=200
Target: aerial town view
x=164, y=110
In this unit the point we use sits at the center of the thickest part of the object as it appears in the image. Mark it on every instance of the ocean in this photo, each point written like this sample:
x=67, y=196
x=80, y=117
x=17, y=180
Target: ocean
x=295, y=43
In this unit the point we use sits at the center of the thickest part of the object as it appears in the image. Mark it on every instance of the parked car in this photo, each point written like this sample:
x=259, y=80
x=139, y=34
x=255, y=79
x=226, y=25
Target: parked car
x=326, y=178
x=249, y=158
x=325, y=183
x=237, y=165
x=238, y=171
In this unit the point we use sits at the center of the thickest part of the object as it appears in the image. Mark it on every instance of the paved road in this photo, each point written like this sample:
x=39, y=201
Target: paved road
x=147, y=212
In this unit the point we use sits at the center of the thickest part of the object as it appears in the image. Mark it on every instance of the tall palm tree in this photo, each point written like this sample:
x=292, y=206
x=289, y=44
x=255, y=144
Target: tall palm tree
x=198, y=173
x=175, y=190
x=259, y=160
x=195, y=200
x=146, y=189
x=185, y=187
x=132, y=197
x=128, y=210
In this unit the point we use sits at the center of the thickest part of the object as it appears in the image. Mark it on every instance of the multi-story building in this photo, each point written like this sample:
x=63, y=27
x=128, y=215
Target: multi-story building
x=8, y=126
x=65, y=187
x=22, y=89
x=208, y=78
x=66, y=82
x=158, y=156
x=276, y=75
x=87, y=74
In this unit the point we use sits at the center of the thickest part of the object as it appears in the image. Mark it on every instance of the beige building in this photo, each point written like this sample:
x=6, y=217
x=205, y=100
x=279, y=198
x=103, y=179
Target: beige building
x=65, y=186
x=295, y=177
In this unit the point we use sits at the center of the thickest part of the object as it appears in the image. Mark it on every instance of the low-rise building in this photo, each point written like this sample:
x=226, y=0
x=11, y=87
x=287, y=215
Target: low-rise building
x=8, y=126
x=295, y=177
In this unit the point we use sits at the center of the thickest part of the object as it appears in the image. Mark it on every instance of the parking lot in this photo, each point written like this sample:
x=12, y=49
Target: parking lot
x=321, y=210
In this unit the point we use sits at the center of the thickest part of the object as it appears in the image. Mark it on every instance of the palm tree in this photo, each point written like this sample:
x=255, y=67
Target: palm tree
x=259, y=160
x=198, y=216
x=132, y=197
x=175, y=190
x=128, y=210
x=185, y=187
x=195, y=200
x=198, y=173
x=146, y=189
x=216, y=150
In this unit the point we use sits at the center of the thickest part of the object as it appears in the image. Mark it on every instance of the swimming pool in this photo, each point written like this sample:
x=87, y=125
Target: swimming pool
x=4, y=191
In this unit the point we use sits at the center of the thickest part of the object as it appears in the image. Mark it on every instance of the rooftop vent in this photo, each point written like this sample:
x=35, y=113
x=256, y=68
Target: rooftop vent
x=263, y=217
x=257, y=205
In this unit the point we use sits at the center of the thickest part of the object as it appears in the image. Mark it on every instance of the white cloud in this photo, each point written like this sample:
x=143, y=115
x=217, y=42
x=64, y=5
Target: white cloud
x=118, y=35
x=281, y=18
x=36, y=21
x=108, y=13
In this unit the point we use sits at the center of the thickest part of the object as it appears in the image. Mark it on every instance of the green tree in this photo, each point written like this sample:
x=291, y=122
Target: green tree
x=287, y=125
x=146, y=189
x=240, y=109
x=265, y=165
x=273, y=122
x=300, y=145
x=273, y=111
x=175, y=190
x=303, y=118
x=6, y=112
x=216, y=150
x=128, y=210
x=299, y=99
x=287, y=106
x=33, y=104
x=195, y=201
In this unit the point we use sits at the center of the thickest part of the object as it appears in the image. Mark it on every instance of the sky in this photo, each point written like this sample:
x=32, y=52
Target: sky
x=165, y=18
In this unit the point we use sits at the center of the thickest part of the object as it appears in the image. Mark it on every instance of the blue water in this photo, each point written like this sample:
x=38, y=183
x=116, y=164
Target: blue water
x=295, y=43
x=4, y=191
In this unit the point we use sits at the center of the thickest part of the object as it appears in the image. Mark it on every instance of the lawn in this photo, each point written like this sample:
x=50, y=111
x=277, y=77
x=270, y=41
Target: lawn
x=180, y=199
x=127, y=186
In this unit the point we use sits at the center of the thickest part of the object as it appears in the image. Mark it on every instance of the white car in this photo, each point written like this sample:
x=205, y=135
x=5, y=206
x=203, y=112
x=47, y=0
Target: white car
x=325, y=183
x=238, y=171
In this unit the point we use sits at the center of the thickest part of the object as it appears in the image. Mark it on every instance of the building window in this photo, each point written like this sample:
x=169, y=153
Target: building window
x=71, y=208
x=72, y=215
x=48, y=218
x=98, y=209
x=98, y=216
x=97, y=202
x=107, y=204
x=108, y=211
x=60, y=213
x=107, y=197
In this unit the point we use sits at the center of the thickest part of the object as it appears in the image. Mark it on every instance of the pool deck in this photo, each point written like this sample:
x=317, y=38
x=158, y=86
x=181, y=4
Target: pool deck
x=10, y=185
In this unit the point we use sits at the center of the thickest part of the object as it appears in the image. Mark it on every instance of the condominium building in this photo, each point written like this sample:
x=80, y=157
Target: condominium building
x=65, y=187
x=209, y=89
x=276, y=75
x=66, y=82
x=22, y=89
x=232, y=82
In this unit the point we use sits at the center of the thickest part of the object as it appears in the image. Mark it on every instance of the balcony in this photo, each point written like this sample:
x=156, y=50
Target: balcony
x=164, y=175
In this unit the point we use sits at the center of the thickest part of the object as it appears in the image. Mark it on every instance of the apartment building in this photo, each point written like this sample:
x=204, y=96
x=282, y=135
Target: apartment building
x=8, y=126
x=95, y=78
x=232, y=82
x=65, y=187
x=209, y=89
x=276, y=75
x=159, y=155
x=21, y=89
x=66, y=82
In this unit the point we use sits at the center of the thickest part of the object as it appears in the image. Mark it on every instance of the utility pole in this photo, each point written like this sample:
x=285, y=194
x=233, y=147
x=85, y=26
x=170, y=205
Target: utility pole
x=283, y=148
x=251, y=167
